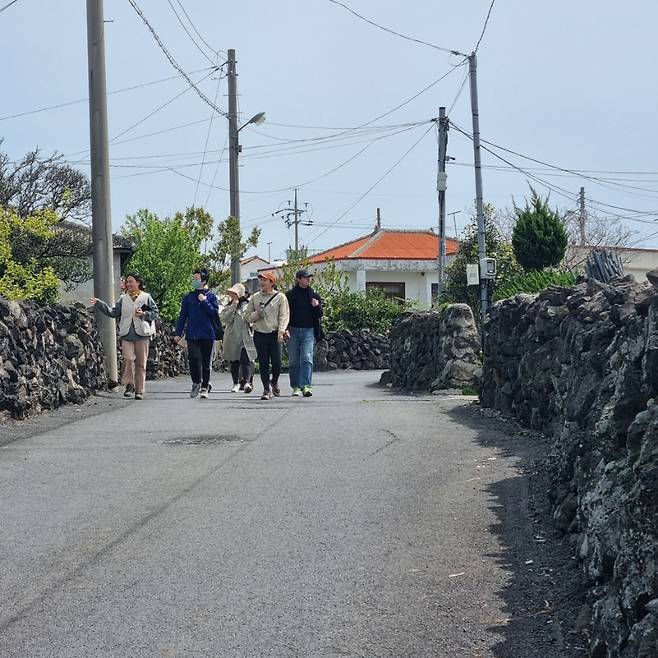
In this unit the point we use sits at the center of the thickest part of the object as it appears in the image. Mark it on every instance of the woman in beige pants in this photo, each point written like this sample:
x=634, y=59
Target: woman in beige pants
x=136, y=312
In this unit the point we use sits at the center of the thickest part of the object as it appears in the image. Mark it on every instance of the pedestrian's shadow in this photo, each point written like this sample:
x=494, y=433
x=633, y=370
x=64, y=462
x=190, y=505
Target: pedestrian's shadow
x=543, y=593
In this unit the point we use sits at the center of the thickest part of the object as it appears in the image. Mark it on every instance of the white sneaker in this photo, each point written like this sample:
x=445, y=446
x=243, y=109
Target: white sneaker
x=204, y=393
x=296, y=392
x=248, y=388
x=236, y=388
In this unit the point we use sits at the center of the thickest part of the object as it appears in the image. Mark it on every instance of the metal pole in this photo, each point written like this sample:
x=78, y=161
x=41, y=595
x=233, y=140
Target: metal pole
x=234, y=152
x=269, y=252
x=296, y=225
x=479, y=197
x=441, y=187
x=101, y=212
x=583, y=216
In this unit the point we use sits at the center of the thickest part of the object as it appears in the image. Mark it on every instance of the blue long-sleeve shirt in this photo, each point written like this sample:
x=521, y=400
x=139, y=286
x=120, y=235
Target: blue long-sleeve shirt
x=198, y=320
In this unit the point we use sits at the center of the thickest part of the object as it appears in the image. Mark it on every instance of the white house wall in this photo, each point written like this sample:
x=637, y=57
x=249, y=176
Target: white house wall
x=84, y=291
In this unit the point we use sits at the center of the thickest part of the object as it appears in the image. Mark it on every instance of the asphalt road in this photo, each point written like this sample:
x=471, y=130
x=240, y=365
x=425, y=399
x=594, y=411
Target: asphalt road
x=359, y=522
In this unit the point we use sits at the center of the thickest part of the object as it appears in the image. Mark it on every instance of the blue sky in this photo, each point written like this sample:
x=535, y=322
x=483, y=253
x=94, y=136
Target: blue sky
x=568, y=83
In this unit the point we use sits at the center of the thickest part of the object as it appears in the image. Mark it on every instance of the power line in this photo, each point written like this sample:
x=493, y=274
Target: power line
x=459, y=92
x=484, y=29
x=205, y=146
x=13, y=2
x=84, y=100
x=180, y=4
x=156, y=110
x=398, y=34
x=172, y=61
x=192, y=39
x=372, y=187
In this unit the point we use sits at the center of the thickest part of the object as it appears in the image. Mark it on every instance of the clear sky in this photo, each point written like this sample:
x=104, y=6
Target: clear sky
x=568, y=83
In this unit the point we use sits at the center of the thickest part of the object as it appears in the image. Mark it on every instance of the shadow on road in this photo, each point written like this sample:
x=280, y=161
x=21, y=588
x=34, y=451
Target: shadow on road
x=543, y=595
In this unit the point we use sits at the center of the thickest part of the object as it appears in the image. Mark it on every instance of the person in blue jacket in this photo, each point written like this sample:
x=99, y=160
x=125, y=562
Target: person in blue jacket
x=199, y=322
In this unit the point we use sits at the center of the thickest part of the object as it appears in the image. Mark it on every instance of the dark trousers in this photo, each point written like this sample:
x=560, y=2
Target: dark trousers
x=242, y=371
x=199, y=353
x=269, y=352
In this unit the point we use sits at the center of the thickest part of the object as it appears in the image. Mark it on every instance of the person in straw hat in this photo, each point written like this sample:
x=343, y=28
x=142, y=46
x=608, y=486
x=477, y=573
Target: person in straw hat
x=239, y=348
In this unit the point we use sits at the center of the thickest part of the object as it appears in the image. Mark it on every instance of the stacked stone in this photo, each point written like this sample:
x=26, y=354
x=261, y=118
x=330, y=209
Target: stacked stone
x=581, y=365
x=49, y=356
x=430, y=352
x=166, y=358
x=356, y=350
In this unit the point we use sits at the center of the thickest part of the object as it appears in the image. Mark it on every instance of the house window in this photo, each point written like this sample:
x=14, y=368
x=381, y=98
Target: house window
x=391, y=290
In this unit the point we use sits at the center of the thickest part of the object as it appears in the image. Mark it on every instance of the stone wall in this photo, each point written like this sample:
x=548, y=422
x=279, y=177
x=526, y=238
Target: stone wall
x=357, y=350
x=581, y=365
x=432, y=352
x=49, y=356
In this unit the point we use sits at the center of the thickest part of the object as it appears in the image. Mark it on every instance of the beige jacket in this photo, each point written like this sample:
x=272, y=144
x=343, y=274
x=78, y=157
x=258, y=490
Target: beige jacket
x=275, y=316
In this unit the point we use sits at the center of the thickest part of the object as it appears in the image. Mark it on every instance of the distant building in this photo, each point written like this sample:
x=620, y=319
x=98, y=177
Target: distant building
x=250, y=266
x=636, y=261
x=402, y=264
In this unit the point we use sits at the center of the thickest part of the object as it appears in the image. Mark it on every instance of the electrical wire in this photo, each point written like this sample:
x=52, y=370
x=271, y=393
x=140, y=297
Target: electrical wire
x=157, y=109
x=192, y=39
x=205, y=146
x=372, y=187
x=555, y=188
x=214, y=177
x=484, y=29
x=13, y=2
x=172, y=61
x=459, y=93
x=398, y=34
x=84, y=100
x=191, y=22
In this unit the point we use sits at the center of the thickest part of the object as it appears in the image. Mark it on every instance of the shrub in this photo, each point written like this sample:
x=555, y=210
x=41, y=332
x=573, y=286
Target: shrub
x=356, y=310
x=539, y=238
x=533, y=282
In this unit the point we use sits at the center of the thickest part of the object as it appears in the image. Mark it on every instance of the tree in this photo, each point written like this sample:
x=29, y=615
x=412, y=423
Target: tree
x=539, y=238
x=36, y=183
x=228, y=241
x=28, y=279
x=456, y=288
x=166, y=254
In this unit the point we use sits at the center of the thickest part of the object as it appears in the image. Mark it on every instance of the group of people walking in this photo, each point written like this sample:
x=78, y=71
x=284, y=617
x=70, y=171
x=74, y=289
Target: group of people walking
x=251, y=327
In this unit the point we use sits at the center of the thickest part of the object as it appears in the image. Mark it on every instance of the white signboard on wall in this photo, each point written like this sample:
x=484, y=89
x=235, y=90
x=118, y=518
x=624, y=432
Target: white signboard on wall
x=472, y=275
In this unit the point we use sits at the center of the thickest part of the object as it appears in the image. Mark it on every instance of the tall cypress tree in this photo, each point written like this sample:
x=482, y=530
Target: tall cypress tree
x=540, y=237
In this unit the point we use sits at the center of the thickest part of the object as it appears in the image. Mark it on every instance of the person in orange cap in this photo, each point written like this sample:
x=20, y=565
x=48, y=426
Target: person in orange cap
x=269, y=314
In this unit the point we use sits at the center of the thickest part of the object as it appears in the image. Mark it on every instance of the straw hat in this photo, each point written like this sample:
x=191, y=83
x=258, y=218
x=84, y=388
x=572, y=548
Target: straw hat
x=237, y=289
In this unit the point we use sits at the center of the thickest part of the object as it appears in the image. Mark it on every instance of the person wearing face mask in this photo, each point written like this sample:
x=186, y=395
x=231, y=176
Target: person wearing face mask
x=136, y=312
x=199, y=321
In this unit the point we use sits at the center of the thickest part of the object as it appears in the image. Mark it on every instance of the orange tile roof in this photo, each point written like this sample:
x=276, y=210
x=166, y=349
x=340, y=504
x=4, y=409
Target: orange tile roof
x=390, y=245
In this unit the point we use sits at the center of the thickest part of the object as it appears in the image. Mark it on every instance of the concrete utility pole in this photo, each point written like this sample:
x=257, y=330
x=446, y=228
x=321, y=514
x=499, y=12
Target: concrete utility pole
x=582, y=218
x=269, y=252
x=234, y=152
x=441, y=186
x=101, y=213
x=479, y=196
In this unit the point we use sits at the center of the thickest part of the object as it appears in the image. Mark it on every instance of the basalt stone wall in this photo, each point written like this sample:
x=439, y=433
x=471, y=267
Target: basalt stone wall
x=357, y=350
x=166, y=358
x=432, y=352
x=49, y=355
x=581, y=365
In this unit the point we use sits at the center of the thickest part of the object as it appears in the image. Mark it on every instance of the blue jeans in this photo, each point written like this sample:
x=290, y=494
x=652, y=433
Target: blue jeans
x=300, y=356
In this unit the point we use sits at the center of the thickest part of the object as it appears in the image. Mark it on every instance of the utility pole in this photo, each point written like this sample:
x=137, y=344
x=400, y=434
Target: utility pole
x=454, y=221
x=269, y=252
x=101, y=213
x=441, y=186
x=234, y=152
x=582, y=219
x=479, y=196
x=295, y=212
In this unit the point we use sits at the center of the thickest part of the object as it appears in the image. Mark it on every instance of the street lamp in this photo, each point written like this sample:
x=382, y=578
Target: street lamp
x=234, y=152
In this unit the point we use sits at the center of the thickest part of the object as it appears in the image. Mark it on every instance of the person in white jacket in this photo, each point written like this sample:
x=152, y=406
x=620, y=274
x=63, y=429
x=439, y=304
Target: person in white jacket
x=238, y=342
x=136, y=312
